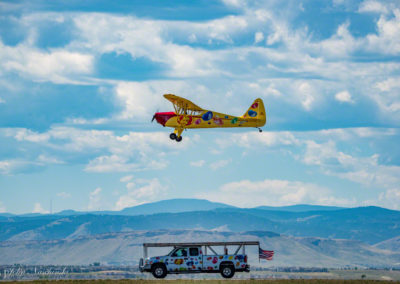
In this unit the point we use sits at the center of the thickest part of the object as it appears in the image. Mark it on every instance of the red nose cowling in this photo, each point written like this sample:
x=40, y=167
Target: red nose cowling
x=163, y=117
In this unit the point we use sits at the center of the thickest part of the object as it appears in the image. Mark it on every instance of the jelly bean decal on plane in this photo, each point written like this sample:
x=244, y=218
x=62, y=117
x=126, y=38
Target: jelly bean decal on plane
x=252, y=113
x=207, y=116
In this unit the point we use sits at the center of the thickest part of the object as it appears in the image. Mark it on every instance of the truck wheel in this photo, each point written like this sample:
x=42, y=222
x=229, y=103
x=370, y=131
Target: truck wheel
x=159, y=271
x=227, y=271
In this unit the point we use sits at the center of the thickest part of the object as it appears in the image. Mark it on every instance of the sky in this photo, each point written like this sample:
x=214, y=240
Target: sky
x=80, y=81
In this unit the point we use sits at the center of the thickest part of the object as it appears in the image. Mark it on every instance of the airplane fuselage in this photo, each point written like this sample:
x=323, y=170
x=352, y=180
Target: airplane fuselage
x=205, y=119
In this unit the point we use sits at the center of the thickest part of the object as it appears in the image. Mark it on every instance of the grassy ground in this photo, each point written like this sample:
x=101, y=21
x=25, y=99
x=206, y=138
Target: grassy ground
x=294, y=281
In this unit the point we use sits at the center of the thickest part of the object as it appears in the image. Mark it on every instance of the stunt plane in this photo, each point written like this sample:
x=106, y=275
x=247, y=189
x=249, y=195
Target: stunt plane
x=188, y=115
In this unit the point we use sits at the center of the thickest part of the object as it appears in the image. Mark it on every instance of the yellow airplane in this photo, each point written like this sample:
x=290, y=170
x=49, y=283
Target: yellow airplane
x=188, y=115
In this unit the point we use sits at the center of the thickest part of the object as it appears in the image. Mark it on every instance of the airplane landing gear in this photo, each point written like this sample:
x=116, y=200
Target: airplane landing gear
x=259, y=129
x=173, y=136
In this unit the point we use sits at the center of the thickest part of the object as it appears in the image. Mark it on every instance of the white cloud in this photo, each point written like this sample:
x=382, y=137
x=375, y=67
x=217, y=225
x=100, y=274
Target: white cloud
x=133, y=151
x=2, y=208
x=387, y=40
x=247, y=193
x=95, y=199
x=389, y=84
x=390, y=198
x=306, y=92
x=255, y=139
x=258, y=37
x=220, y=164
x=24, y=134
x=112, y=163
x=57, y=66
x=126, y=178
x=16, y=166
x=199, y=163
x=373, y=7
x=45, y=159
x=363, y=170
x=64, y=195
x=344, y=97
x=234, y=3
x=39, y=209
x=320, y=149
x=168, y=44
x=141, y=191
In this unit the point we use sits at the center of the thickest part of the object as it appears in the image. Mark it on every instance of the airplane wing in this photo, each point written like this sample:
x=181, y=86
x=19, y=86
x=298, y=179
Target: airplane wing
x=182, y=103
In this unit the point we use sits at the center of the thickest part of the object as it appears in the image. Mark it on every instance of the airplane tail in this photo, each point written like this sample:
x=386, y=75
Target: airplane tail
x=257, y=110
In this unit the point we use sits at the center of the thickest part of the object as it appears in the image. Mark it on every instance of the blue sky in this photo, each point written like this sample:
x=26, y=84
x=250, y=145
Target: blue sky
x=80, y=81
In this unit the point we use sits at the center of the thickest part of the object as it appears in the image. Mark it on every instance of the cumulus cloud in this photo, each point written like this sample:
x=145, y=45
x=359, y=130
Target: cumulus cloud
x=248, y=193
x=17, y=166
x=220, y=164
x=141, y=191
x=64, y=195
x=2, y=208
x=258, y=37
x=363, y=170
x=169, y=44
x=344, y=97
x=390, y=198
x=255, y=139
x=106, y=151
x=371, y=6
x=95, y=199
x=199, y=163
x=126, y=178
x=57, y=66
x=320, y=149
x=37, y=208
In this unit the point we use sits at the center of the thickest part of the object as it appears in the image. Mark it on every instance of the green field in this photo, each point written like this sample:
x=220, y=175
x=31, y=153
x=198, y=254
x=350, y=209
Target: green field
x=294, y=281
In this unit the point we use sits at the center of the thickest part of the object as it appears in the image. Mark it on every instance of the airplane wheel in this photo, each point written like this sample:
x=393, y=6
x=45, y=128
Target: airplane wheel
x=260, y=130
x=172, y=136
x=178, y=139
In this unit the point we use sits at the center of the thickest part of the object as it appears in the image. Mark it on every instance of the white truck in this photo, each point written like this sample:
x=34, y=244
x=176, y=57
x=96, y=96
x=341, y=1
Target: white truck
x=193, y=258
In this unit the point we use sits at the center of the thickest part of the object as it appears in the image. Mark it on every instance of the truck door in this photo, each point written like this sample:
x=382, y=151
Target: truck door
x=195, y=261
x=177, y=260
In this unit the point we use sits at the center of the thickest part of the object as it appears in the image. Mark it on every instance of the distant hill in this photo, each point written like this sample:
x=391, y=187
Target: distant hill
x=164, y=206
x=391, y=244
x=173, y=206
x=300, y=208
x=368, y=224
x=125, y=248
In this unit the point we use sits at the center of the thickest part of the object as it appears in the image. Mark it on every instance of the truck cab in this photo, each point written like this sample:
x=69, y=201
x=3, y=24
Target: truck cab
x=193, y=258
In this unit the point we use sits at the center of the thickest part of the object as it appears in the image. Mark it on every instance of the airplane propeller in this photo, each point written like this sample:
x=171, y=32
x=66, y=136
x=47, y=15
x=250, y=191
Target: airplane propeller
x=154, y=116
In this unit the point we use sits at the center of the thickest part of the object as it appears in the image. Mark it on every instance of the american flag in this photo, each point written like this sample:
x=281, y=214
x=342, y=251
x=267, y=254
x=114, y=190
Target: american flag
x=265, y=254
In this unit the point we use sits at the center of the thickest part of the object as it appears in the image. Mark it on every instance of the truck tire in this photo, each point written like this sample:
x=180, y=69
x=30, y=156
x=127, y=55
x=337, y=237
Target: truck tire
x=227, y=270
x=159, y=270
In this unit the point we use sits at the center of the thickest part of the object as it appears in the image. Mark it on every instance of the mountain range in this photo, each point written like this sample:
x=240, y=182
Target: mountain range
x=176, y=206
x=125, y=248
x=314, y=231
x=368, y=224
